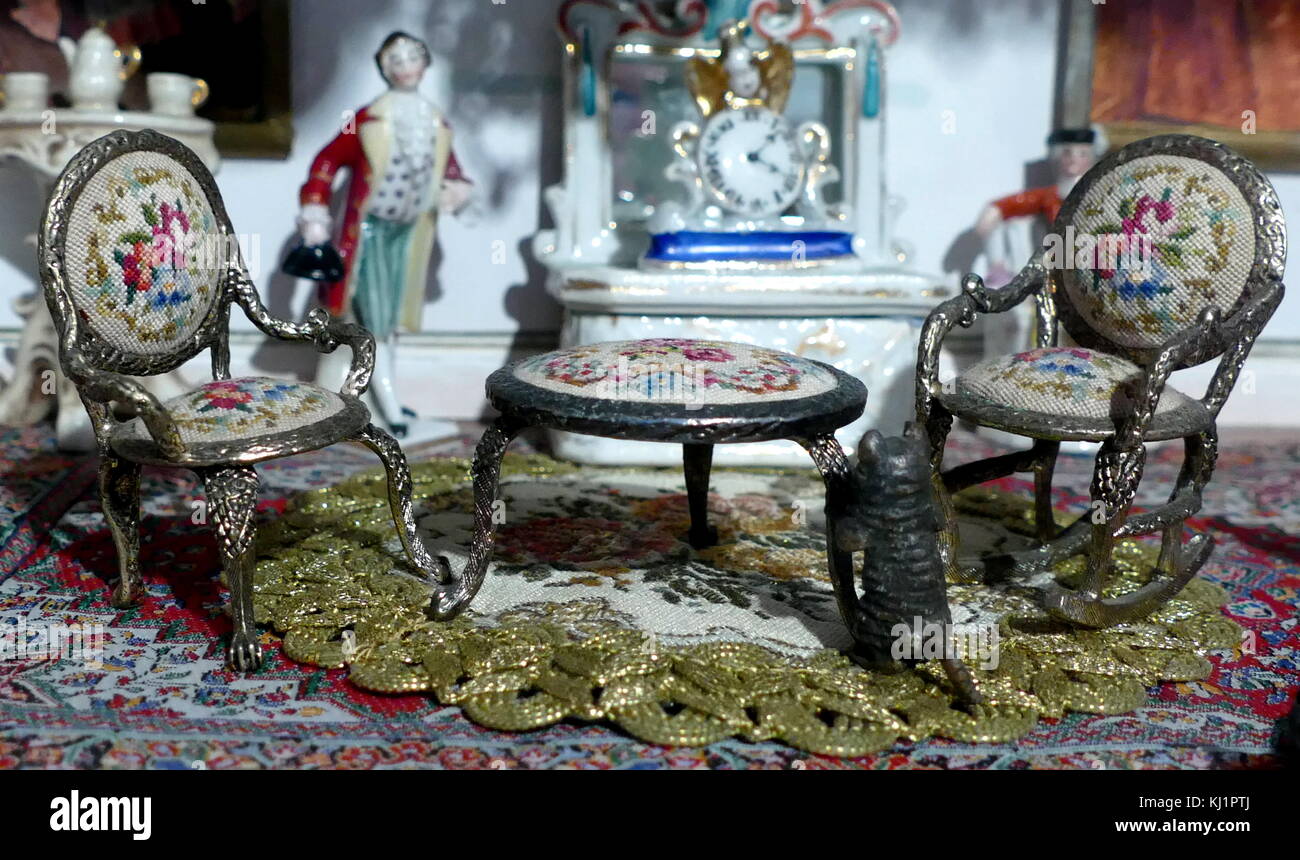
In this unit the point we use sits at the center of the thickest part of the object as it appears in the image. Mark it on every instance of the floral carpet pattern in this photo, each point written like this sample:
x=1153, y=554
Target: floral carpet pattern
x=162, y=698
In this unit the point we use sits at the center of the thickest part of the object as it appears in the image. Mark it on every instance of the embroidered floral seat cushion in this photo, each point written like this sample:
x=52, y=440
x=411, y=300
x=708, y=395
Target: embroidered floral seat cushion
x=242, y=410
x=1068, y=382
x=1172, y=236
x=674, y=370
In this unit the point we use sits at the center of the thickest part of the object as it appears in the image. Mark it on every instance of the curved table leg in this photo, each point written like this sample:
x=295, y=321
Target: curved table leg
x=826, y=452
x=400, y=488
x=457, y=594
x=698, y=462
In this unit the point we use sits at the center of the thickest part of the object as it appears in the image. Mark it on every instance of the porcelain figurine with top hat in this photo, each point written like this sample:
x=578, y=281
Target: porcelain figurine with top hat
x=403, y=172
x=1012, y=226
x=1072, y=152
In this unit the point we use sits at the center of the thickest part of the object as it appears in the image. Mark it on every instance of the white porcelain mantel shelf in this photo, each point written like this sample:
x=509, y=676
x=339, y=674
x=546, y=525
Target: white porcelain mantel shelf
x=876, y=292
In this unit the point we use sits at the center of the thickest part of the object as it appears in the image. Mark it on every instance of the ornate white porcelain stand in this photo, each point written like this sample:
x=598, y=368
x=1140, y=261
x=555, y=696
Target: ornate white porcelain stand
x=43, y=142
x=623, y=72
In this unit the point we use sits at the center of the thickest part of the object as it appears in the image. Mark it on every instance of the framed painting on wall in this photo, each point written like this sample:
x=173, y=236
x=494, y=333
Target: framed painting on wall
x=1223, y=69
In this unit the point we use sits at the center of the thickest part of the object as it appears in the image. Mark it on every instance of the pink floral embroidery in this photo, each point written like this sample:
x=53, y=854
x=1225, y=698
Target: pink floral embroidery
x=564, y=369
x=241, y=406
x=225, y=395
x=707, y=354
x=1163, y=209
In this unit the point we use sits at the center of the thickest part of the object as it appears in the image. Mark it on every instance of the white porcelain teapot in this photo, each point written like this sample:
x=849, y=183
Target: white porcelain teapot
x=97, y=69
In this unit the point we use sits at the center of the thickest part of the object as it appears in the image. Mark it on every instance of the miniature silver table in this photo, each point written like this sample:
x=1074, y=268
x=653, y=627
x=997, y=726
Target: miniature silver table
x=696, y=394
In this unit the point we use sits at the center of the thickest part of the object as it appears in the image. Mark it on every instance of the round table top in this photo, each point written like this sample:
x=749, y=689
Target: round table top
x=678, y=390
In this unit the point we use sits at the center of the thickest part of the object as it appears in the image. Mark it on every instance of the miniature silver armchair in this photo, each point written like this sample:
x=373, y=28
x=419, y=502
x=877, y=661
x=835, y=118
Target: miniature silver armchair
x=140, y=265
x=1167, y=254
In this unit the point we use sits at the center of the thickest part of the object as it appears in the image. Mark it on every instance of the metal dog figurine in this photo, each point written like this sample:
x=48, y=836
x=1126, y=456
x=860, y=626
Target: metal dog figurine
x=892, y=518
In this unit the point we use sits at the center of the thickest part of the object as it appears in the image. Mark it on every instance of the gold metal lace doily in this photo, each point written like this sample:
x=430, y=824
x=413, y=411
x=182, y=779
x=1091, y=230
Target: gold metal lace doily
x=323, y=569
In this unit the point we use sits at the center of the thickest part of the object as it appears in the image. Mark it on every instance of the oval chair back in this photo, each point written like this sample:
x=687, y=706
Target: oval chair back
x=135, y=248
x=1155, y=233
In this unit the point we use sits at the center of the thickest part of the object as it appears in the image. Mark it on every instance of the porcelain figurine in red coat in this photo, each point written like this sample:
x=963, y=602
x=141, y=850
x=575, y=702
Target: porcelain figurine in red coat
x=1072, y=152
x=402, y=172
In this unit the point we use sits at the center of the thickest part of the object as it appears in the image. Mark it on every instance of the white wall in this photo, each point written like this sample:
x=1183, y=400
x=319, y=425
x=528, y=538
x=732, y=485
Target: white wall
x=497, y=77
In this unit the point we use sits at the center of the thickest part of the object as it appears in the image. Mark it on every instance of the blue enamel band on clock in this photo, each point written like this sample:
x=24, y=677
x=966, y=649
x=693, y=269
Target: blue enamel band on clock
x=690, y=246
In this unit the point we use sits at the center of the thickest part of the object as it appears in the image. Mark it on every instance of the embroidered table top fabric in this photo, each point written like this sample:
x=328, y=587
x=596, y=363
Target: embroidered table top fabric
x=677, y=371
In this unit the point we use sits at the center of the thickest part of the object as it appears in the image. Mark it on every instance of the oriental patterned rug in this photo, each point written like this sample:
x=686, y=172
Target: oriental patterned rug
x=570, y=660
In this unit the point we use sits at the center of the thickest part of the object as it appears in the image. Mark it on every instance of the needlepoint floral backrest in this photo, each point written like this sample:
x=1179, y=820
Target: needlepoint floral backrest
x=144, y=251
x=1157, y=233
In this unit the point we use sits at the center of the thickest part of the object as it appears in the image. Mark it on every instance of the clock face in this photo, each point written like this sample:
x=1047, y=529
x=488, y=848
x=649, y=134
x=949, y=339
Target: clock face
x=750, y=163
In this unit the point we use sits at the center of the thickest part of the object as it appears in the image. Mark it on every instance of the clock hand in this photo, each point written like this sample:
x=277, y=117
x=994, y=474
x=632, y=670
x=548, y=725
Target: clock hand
x=757, y=155
x=755, y=159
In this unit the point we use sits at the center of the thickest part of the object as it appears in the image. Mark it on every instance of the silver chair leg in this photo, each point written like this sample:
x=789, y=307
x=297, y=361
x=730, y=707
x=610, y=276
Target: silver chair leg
x=1200, y=453
x=1045, y=452
x=232, y=502
x=119, y=496
x=1114, y=485
x=400, y=488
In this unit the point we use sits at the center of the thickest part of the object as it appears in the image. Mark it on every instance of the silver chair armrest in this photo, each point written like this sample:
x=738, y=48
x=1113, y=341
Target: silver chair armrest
x=106, y=387
x=963, y=310
x=1147, y=392
x=319, y=328
x=332, y=332
x=1235, y=336
x=267, y=323
x=1239, y=332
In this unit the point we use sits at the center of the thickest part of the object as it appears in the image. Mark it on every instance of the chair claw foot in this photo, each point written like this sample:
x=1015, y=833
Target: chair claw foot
x=244, y=654
x=127, y=595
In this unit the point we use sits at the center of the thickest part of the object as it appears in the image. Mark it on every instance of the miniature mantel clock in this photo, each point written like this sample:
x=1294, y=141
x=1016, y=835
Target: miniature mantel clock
x=745, y=167
x=724, y=179
x=403, y=171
